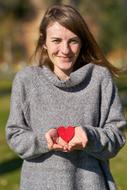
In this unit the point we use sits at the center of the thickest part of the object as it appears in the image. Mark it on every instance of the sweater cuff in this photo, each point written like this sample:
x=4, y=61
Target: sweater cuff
x=92, y=136
x=42, y=144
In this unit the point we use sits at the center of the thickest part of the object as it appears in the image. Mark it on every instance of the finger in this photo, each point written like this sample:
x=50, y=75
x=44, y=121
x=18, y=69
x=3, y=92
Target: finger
x=71, y=146
x=61, y=142
x=84, y=141
x=57, y=147
x=65, y=148
x=73, y=142
x=49, y=139
x=82, y=136
x=75, y=146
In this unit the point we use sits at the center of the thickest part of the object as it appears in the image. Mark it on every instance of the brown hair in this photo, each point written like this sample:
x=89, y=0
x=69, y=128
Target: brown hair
x=71, y=19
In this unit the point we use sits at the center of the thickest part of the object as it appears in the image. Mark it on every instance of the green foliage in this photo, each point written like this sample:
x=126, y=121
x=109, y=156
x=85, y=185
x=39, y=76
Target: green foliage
x=19, y=8
x=114, y=26
x=111, y=19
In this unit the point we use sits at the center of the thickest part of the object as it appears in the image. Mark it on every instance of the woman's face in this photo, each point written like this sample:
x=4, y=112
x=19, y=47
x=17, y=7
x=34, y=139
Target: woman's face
x=63, y=47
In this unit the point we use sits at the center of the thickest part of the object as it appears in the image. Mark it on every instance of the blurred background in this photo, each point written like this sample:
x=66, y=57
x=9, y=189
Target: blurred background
x=19, y=23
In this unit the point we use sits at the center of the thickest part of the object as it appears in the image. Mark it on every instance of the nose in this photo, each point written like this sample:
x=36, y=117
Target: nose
x=65, y=49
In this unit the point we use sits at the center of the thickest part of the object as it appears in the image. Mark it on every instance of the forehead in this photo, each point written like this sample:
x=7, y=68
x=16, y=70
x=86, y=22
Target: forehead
x=57, y=30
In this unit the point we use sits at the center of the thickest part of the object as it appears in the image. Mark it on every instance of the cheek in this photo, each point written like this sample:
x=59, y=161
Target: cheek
x=53, y=49
x=76, y=49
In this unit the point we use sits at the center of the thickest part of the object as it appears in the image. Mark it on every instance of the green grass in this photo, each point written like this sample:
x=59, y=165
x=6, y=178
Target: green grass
x=9, y=171
x=10, y=164
x=10, y=181
x=118, y=168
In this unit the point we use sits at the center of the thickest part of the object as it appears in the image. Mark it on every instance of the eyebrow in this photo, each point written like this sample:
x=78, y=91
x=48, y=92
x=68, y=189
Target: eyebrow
x=59, y=38
x=55, y=38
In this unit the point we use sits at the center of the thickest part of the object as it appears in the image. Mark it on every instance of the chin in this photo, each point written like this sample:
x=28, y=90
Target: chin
x=67, y=66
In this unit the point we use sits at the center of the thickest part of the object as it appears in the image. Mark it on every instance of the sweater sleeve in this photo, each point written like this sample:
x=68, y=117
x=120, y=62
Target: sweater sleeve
x=20, y=136
x=105, y=141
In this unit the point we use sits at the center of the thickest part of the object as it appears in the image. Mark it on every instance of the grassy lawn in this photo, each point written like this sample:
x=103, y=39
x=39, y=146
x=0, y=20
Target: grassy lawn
x=118, y=167
x=9, y=168
x=10, y=164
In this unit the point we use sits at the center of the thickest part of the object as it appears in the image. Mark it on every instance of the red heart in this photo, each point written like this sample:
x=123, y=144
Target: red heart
x=66, y=133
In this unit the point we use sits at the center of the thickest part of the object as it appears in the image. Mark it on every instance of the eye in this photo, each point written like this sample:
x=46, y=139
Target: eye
x=56, y=41
x=74, y=41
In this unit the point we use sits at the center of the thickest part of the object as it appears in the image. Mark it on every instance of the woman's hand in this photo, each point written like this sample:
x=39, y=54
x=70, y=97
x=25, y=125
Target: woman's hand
x=55, y=142
x=79, y=141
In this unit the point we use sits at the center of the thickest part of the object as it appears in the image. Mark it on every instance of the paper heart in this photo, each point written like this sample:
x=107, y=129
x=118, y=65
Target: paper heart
x=66, y=133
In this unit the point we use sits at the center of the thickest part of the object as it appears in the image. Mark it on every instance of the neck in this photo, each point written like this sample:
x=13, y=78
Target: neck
x=62, y=75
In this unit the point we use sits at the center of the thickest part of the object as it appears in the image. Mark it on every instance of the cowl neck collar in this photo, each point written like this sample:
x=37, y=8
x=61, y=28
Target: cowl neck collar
x=76, y=77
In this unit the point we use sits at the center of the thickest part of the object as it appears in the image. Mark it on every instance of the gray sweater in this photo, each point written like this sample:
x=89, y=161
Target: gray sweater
x=40, y=101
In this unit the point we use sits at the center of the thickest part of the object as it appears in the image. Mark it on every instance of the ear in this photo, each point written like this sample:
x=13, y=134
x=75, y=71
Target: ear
x=44, y=46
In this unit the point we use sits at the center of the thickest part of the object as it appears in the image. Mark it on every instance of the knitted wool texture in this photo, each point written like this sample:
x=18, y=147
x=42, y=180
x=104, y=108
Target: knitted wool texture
x=40, y=101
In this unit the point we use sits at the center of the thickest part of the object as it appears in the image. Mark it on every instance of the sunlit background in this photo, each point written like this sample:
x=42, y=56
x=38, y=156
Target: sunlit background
x=19, y=23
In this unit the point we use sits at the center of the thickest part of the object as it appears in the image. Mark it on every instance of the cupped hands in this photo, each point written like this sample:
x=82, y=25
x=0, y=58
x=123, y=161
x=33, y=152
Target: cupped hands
x=66, y=139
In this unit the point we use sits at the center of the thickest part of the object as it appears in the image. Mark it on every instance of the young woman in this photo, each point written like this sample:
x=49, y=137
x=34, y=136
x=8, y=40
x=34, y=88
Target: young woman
x=71, y=87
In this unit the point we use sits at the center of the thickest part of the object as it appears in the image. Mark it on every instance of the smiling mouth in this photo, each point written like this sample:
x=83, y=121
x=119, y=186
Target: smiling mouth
x=66, y=58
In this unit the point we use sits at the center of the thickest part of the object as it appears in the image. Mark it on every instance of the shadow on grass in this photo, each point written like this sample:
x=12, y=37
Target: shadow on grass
x=10, y=165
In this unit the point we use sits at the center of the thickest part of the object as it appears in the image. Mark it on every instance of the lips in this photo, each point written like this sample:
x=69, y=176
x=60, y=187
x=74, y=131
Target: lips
x=65, y=58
